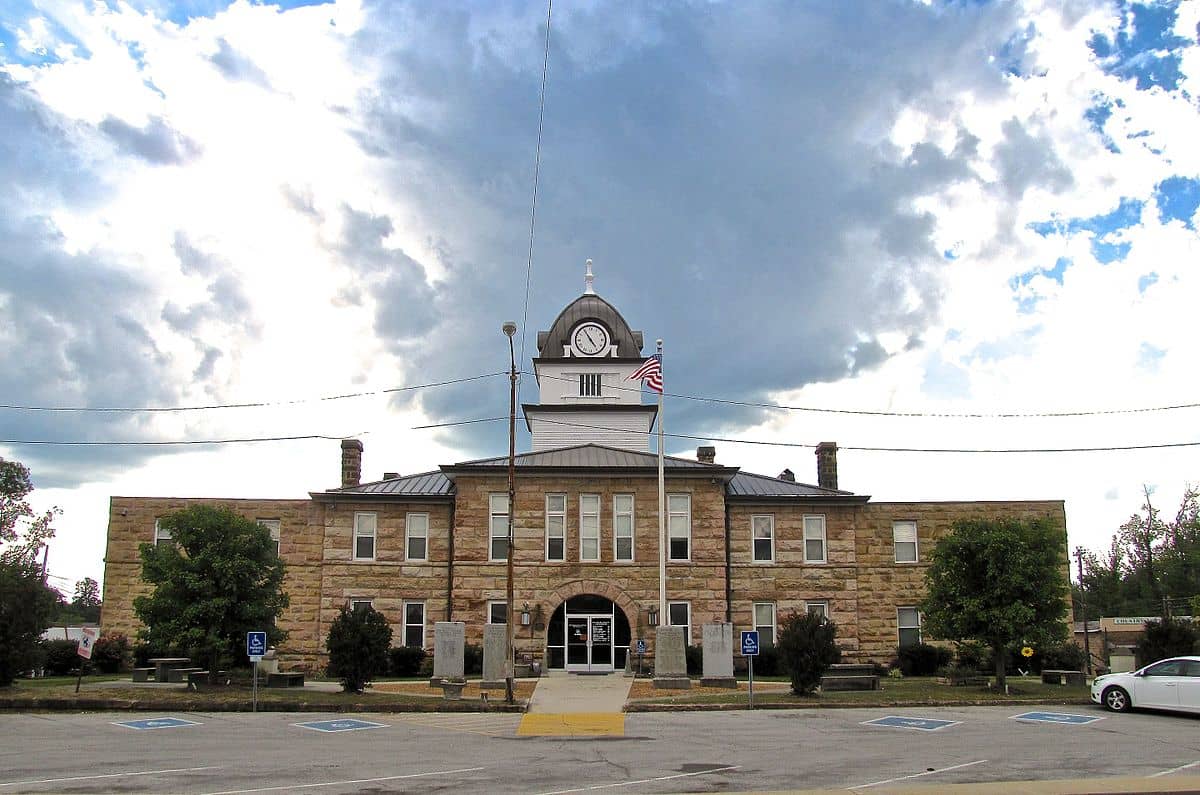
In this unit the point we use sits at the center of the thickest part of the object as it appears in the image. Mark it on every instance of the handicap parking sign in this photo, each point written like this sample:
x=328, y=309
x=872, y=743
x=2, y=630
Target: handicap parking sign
x=1058, y=717
x=641, y=646
x=921, y=724
x=749, y=643
x=345, y=725
x=256, y=644
x=155, y=723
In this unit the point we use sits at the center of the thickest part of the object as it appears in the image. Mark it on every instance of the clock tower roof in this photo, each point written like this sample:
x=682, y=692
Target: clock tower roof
x=589, y=307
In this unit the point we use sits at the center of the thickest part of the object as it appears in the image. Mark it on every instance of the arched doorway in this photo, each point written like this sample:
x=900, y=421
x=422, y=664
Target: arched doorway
x=588, y=634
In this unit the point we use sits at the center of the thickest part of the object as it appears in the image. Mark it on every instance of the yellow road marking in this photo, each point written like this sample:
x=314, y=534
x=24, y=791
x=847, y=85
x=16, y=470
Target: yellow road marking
x=575, y=724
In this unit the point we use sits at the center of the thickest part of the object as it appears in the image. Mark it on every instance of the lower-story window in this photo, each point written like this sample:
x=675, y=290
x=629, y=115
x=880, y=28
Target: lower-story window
x=497, y=613
x=764, y=622
x=817, y=608
x=414, y=624
x=361, y=604
x=680, y=615
x=908, y=624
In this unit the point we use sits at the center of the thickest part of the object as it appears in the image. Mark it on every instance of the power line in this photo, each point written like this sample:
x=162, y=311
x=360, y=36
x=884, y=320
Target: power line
x=168, y=443
x=255, y=404
x=872, y=413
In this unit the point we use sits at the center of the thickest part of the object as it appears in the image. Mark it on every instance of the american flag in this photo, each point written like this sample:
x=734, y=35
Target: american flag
x=650, y=373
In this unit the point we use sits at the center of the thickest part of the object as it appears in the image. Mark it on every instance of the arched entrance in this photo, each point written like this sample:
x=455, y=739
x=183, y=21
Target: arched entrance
x=588, y=634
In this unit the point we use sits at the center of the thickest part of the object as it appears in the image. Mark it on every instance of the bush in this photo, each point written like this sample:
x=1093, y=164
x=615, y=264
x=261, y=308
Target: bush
x=110, y=653
x=807, y=646
x=922, y=659
x=405, y=661
x=1166, y=638
x=971, y=654
x=695, y=660
x=142, y=652
x=768, y=662
x=472, y=659
x=62, y=657
x=358, y=644
x=1063, y=657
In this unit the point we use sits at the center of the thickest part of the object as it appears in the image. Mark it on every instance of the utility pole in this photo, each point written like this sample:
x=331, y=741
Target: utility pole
x=1087, y=650
x=509, y=329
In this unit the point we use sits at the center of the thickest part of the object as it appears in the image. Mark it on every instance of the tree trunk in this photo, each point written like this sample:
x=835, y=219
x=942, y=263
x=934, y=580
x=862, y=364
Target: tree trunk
x=1000, y=657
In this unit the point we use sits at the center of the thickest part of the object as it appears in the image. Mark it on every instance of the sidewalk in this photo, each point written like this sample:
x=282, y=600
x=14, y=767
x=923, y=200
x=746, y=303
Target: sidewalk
x=571, y=705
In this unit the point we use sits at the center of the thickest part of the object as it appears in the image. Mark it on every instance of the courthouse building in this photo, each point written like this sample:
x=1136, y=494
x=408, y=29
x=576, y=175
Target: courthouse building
x=426, y=547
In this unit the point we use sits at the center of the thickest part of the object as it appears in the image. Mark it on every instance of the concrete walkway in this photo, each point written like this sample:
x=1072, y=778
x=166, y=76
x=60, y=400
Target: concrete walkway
x=573, y=705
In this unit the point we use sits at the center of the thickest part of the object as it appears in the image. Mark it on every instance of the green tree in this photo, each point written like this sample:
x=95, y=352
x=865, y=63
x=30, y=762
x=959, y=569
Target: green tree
x=998, y=581
x=26, y=603
x=807, y=644
x=87, y=599
x=1166, y=638
x=217, y=579
x=358, y=643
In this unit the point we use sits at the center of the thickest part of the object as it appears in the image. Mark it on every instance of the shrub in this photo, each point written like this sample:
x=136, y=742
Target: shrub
x=62, y=657
x=922, y=659
x=695, y=660
x=358, y=644
x=807, y=646
x=110, y=653
x=472, y=659
x=405, y=661
x=1166, y=638
x=1063, y=657
x=767, y=663
x=971, y=654
x=142, y=652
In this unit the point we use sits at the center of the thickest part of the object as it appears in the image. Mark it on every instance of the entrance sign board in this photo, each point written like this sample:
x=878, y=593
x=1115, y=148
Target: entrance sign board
x=749, y=642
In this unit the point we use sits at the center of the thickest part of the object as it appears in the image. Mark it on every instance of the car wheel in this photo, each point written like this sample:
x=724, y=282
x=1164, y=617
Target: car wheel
x=1116, y=699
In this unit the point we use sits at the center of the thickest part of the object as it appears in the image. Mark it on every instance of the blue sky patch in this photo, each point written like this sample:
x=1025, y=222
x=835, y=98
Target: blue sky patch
x=15, y=19
x=1127, y=214
x=1055, y=273
x=1149, y=356
x=1147, y=280
x=1145, y=48
x=1106, y=252
x=1177, y=199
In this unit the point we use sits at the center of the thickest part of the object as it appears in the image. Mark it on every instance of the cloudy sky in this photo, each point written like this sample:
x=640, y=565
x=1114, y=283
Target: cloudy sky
x=944, y=208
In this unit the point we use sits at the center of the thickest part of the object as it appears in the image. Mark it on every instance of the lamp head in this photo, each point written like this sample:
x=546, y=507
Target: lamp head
x=509, y=328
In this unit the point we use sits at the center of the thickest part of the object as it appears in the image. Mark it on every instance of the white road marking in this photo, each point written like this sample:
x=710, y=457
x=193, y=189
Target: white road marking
x=643, y=781
x=918, y=775
x=350, y=781
x=106, y=775
x=1174, y=769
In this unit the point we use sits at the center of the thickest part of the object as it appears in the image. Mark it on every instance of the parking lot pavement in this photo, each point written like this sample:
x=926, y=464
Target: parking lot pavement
x=866, y=749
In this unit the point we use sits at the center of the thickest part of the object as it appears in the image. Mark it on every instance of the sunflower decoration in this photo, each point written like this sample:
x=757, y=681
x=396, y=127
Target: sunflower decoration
x=1027, y=652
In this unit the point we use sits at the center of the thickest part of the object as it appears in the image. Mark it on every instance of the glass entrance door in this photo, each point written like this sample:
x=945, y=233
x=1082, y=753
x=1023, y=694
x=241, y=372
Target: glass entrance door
x=589, y=643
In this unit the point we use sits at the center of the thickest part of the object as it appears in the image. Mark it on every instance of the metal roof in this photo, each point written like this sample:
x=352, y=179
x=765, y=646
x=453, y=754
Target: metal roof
x=589, y=306
x=424, y=484
x=590, y=456
x=746, y=484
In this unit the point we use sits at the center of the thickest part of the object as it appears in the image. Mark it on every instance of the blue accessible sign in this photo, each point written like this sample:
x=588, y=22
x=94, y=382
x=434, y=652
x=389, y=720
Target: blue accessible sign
x=347, y=725
x=256, y=645
x=155, y=723
x=1058, y=717
x=921, y=724
x=641, y=646
x=749, y=643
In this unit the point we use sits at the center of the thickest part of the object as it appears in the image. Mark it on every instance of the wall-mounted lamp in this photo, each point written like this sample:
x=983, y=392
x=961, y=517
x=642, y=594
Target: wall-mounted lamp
x=652, y=616
x=525, y=615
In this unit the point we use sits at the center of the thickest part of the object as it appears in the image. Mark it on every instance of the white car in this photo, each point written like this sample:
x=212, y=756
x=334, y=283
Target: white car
x=1172, y=684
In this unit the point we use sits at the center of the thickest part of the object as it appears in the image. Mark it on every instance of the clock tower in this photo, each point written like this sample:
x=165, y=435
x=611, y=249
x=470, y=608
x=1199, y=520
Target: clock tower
x=583, y=365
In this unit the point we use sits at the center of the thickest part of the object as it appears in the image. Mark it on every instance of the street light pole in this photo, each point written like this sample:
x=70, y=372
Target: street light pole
x=510, y=329
x=1087, y=650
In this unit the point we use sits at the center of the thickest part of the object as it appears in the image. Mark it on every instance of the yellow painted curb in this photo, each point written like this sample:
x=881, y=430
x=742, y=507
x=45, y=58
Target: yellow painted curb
x=575, y=724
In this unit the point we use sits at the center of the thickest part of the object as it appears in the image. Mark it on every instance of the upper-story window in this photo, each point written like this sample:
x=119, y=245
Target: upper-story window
x=498, y=527
x=556, y=526
x=272, y=526
x=416, y=536
x=814, y=539
x=763, y=527
x=161, y=534
x=679, y=526
x=364, y=536
x=904, y=536
x=589, y=527
x=590, y=384
x=623, y=527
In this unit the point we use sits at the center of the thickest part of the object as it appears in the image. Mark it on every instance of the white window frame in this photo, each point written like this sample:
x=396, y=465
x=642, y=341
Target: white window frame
x=493, y=515
x=774, y=624
x=908, y=526
x=405, y=625
x=492, y=603
x=355, y=601
x=755, y=520
x=358, y=533
x=410, y=533
x=272, y=526
x=617, y=535
x=591, y=384
x=561, y=515
x=901, y=627
x=161, y=533
x=822, y=606
x=584, y=516
x=671, y=534
x=687, y=627
x=818, y=534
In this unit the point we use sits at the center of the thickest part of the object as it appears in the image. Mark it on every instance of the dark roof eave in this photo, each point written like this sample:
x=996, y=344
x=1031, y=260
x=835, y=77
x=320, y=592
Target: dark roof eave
x=373, y=496
x=775, y=499
x=723, y=474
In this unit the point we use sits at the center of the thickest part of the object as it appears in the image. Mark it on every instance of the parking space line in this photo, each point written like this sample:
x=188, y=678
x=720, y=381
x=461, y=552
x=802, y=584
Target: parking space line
x=350, y=781
x=106, y=775
x=918, y=775
x=1175, y=769
x=643, y=781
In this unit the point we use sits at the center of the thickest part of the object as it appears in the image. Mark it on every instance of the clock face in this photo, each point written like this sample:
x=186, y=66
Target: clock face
x=590, y=339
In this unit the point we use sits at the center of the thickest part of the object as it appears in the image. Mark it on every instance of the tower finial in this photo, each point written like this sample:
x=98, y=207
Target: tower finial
x=588, y=279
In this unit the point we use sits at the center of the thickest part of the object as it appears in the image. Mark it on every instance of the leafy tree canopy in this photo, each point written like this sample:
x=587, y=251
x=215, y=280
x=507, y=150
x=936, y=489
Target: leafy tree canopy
x=998, y=581
x=217, y=579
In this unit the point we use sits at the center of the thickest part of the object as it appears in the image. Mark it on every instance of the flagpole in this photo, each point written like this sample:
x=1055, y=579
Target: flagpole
x=664, y=618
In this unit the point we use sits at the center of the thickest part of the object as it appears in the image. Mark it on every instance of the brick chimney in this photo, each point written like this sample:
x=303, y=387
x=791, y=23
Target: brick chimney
x=706, y=454
x=351, y=462
x=788, y=475
x=827, y=465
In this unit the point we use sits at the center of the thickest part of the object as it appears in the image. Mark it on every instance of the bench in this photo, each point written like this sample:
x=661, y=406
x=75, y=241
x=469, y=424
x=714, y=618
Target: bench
x=1054, y=677
x=849, y=677
x=286, y=679
x=180, y=675
x=142, y=674
x=197, y=680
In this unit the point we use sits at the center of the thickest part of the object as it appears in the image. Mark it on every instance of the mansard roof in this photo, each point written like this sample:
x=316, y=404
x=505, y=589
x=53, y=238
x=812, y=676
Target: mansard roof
x=589, y=306
x=593, y=457
x=748, y=487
